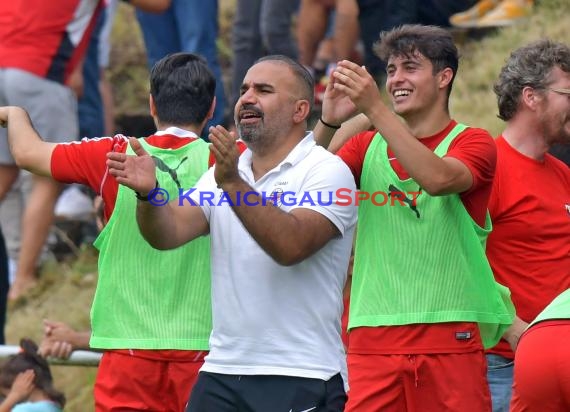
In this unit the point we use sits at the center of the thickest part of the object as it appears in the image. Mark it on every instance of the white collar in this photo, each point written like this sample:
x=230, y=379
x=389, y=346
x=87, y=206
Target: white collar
x=298, y=153
x=176, y=131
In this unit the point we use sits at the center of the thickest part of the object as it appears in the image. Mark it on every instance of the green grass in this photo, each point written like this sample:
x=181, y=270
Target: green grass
x=66, y=290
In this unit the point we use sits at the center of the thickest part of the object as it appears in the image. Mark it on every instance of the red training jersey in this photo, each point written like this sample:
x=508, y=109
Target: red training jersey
x=48, y=39
x=476, y=149
x=85, y=162
x=529, y=247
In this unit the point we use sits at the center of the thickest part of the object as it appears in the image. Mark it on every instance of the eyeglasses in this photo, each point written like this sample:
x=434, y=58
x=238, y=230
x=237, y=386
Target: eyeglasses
x=559, y=91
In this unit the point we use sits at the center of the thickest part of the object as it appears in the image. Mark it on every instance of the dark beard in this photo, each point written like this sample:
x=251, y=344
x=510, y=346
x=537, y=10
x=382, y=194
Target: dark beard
x=250, y=134
x=256, y=138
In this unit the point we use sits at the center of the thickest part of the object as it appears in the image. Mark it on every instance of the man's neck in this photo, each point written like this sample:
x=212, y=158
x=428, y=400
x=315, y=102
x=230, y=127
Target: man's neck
x=267, y=158
x=525, y=138
x=427, y=124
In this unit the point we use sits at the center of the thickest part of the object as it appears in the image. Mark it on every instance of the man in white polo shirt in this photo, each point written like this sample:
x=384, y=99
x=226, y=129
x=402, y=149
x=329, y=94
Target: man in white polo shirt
x=278, y=265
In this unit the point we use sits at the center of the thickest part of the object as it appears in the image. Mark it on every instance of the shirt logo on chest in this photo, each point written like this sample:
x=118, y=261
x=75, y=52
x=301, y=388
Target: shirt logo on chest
x=165, y=168
x=276, y=197
x=402, y=197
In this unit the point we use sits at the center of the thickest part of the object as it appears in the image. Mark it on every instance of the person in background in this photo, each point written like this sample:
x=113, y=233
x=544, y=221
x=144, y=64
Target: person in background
x=27, y=383
x=493, y=13
x=185, y=26
x=376, y=16
x=529, y=247
x=327, y=31
x=47, y=85
x=260, y=27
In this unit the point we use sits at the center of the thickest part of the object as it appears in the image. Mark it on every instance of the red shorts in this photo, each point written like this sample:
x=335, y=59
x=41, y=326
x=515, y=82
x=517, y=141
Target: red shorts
x=141, y=380
x=435, y=382
x=542, y=369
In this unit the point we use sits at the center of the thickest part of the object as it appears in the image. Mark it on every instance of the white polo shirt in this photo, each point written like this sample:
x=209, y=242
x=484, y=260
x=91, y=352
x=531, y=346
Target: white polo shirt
x=270, y=319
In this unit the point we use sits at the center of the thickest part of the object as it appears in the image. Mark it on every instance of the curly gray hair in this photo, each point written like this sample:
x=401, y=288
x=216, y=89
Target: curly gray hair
x=530, y=66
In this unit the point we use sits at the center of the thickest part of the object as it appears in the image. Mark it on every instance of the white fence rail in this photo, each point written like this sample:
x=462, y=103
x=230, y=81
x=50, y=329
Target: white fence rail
x=77, y=358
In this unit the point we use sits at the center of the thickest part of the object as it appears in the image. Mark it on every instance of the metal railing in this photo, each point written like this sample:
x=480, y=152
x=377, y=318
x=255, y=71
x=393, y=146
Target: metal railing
x=77, y=358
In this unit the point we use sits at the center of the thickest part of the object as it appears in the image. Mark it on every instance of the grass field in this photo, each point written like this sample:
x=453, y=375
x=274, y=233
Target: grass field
x=66, y=290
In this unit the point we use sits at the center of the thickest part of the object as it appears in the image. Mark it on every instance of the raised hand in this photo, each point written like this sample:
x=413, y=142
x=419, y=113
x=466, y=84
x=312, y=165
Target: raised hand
x=337, y=106
x=136, y=172
x=355, y=82
x=226, y=153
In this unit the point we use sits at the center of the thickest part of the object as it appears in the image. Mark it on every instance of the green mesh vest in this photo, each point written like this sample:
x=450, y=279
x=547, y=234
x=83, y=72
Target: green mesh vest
x=421, y=261
x=559, y=308
x=145, y=298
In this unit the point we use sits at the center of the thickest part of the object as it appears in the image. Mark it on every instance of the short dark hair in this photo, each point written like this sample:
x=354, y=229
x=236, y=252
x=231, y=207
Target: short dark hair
x=435, y=43
x=528, y=66
x=183, y=88
x=305, y=78
x=27, y=359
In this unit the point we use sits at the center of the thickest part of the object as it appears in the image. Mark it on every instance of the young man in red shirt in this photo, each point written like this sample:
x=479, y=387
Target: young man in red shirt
x=424, y=303
x=151, y=313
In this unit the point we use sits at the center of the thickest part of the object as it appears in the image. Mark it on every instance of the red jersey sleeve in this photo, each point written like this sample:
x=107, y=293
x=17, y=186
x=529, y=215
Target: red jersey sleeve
x=473, y=147
x=354, y=151
x=476, y=149
x=85, y=162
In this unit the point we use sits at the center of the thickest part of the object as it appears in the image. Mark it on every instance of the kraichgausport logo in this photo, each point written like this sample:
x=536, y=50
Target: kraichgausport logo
x=279, y=197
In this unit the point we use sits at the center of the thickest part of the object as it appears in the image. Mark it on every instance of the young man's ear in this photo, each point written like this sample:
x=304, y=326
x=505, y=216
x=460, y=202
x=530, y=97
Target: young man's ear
x=444, y=77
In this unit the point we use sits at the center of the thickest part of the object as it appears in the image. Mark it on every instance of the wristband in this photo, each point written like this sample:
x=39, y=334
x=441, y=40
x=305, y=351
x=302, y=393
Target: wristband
x=331, y=126
x=145, y=198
